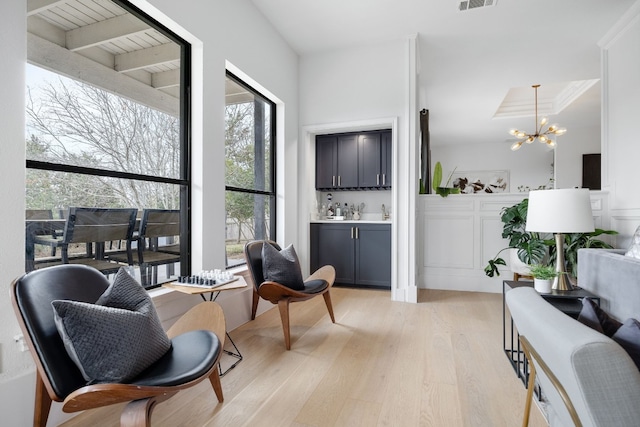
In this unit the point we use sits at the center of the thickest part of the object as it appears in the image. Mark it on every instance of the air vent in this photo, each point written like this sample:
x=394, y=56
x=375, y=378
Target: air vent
x=474, y=4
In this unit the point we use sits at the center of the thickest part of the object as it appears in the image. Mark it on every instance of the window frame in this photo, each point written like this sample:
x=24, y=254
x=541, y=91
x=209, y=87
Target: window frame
x=184, y=181
x=270, y=195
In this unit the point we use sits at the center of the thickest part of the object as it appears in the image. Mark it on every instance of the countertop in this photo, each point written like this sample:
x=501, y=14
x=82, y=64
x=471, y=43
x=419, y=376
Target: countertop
x=350, y=221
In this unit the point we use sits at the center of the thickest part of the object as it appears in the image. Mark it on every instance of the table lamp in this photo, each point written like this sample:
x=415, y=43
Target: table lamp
x=559, y=212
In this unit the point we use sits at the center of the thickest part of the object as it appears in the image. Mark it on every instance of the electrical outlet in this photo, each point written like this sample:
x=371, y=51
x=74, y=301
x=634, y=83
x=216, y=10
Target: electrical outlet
x=19, y=339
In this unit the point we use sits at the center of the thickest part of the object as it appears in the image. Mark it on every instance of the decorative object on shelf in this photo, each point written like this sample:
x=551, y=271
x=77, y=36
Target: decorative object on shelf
x=474, y=182
x=558, y=212
x=544, y=136
x=543, y=276
x=437, y=180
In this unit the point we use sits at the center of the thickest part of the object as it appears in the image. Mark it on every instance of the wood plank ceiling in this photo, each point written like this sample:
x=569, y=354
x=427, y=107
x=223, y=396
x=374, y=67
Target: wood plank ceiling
x=100, y=43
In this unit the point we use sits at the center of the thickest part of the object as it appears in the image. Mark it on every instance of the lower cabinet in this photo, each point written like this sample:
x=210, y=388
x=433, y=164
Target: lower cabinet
x=360, y=253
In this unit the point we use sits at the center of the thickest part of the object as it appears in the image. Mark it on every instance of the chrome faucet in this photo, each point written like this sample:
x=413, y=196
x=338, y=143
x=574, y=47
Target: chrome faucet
x=385, y=214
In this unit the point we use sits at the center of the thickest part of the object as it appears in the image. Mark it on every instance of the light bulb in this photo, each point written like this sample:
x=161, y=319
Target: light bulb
x=516, y=146
x=513, y=132
x=560, y=131
x=530, y=139
x=543, y=138
x=521, y=134
x=543, y=121
x=551, y=143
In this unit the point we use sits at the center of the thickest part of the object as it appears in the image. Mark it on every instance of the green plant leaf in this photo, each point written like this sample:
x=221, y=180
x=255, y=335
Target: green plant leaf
x=437, y=177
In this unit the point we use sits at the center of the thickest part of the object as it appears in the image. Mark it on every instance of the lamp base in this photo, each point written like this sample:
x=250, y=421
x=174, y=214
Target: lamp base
x=562, y=283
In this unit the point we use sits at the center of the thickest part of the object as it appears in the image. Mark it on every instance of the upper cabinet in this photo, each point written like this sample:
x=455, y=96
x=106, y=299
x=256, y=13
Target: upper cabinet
x=354, y=161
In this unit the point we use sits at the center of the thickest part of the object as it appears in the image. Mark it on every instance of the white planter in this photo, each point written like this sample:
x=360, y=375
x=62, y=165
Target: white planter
x=543, y=286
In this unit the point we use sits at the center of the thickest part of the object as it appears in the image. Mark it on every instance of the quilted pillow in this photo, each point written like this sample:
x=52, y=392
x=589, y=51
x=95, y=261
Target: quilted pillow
x=116, y=338
x=634, y=250
x=282, y=266
x=628, y=336
x=596, y=318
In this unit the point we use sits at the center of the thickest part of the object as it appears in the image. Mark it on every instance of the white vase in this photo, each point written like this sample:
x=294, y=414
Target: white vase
x=543, y=286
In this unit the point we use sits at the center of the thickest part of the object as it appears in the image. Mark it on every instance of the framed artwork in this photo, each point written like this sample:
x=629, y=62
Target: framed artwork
x=481, y=182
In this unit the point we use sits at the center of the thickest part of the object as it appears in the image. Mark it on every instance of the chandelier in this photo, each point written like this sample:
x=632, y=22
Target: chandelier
x=544, y=136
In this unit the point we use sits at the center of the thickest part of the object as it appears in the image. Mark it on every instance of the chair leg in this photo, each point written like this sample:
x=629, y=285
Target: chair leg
x=327, y=301
x=283, y=305
x=138, y=412
x=254, y=303
x=42, y=403
x=527, y=407
x=214, y=378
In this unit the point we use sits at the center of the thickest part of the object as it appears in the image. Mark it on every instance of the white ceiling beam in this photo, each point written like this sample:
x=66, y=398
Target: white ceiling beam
x=37, y=6
x=165, y=79
x=104, y=31
x=157, y=55
x=55, y=58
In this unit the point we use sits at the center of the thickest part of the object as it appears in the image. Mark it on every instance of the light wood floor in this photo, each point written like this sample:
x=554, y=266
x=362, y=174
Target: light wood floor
x=436, y=363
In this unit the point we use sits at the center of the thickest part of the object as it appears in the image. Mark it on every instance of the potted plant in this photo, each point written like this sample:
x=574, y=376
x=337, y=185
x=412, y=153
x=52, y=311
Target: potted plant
x=531, y=248
x=437, y=180
x=543, y=276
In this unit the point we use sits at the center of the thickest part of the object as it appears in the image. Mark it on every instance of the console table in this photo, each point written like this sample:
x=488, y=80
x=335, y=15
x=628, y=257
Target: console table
x=568, y=302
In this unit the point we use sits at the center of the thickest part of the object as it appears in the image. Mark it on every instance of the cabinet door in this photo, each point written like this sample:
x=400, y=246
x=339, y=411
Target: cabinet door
x=326, y=160
x=335, y=247
x=347, y=169
x=373, y=255
x=385, y=162
x=369, y=173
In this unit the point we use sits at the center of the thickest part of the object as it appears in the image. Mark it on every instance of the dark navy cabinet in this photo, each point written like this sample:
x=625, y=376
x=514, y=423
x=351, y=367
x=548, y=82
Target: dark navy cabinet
x=360, y=252
x=353, y=161
x=336, y=162
x=374, y=160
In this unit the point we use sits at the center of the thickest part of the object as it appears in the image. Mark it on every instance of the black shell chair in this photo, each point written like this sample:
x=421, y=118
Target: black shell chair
x=319, y=283
x=197, y=341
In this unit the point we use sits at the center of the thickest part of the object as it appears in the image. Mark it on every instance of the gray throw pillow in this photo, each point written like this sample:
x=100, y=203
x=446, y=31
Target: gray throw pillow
x=596, y=318
x=282, y=266
x=116, y=338
x=628, y=336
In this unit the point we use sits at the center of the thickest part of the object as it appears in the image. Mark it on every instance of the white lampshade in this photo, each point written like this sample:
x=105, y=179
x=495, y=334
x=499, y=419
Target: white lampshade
x=560, y=211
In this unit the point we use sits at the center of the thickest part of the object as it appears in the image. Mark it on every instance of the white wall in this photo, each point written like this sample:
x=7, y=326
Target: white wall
x=357, y=89
x=571, y=147
x=220, y=31
x=621, y=110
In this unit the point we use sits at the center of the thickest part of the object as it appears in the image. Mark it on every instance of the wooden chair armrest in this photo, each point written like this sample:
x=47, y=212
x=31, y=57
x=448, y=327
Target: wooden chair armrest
x=97, y=395
x=207, y=316
x=274, y=292
x=326, y=273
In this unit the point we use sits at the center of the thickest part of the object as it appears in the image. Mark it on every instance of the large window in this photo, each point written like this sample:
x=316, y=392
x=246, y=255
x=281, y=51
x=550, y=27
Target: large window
x=107, y=127
x=250, y=167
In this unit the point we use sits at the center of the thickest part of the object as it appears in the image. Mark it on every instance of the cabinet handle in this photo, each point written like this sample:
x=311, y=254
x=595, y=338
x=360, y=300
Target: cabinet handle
x=352, y=232
x=384, y=179
x=377, y=179
x=339, y=181
x=357, y=229
x=333, y=181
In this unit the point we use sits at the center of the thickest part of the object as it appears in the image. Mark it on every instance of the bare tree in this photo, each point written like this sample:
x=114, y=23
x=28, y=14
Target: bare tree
x=74, y=123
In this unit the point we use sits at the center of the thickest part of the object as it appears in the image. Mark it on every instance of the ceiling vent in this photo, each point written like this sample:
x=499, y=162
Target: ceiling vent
x=474, y=4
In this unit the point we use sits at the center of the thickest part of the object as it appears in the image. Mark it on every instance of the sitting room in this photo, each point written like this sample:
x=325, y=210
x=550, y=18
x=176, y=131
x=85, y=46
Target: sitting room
x=378, y=145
